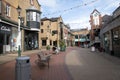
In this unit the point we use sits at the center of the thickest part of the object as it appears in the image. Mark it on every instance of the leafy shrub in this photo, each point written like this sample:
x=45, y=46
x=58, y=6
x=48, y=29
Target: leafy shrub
x=48, y=47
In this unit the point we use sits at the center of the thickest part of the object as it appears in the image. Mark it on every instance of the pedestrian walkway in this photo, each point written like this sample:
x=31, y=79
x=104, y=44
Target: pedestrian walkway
x=4, y=58
x=57, y=70
x=74, y=64
x=87, y=65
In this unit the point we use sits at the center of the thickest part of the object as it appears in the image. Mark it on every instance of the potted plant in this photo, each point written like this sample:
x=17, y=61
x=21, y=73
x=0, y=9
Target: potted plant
x=48, y=47
x=62, y=45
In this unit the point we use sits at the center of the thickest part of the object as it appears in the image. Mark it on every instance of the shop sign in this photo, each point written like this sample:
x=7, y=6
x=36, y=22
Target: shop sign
x=4, y=28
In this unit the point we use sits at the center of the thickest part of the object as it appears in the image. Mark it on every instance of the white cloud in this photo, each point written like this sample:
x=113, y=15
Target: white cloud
x=113, y=4
x=79, y=23
x=80, y=18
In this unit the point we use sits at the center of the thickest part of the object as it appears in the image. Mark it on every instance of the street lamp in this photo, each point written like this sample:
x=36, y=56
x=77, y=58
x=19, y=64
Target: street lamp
x=19, y=32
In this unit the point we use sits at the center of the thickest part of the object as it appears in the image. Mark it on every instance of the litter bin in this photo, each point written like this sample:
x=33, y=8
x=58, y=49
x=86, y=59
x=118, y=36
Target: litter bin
x=23, y=68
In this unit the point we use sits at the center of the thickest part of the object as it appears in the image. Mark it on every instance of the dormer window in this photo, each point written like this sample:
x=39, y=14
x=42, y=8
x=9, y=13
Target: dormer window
x=8, y=10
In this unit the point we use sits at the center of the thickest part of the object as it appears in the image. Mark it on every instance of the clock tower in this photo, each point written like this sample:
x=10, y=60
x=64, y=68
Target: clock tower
x=95, y=22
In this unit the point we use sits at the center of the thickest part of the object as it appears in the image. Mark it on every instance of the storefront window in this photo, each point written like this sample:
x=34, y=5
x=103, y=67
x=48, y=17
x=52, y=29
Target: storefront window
x=107, y=41
x=116, y=37
x=116, y=40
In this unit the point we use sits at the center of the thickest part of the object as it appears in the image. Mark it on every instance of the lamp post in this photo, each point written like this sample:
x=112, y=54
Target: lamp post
x=19, y=32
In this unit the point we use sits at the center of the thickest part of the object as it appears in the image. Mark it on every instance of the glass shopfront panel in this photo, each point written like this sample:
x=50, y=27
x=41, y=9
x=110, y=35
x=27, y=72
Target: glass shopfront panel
x=31, y=40
x=107, y=41
x=5, y=36
x=116, y=41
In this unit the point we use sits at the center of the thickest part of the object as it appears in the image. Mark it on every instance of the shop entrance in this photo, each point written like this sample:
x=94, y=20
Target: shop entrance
x=31, y=40
x=4, y=42
x=1, y=42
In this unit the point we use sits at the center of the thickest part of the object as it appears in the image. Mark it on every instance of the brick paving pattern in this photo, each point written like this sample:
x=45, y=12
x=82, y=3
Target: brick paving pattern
x=57, y=70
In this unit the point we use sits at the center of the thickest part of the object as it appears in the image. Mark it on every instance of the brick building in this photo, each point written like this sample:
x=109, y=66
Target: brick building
x=110, y=33
x=95, y=22
x=29, y=23
x=81, y=37
x=50, y=33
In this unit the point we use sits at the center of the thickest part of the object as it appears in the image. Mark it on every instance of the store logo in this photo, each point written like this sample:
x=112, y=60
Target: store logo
x=5, y=28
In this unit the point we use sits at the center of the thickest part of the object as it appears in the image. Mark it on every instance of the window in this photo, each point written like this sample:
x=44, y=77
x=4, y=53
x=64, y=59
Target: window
x=22, y=20
x=54, y=43
x=50, y=42
x=41, y=23
x=31, y=2
x=43, y=42
x=38, y=17
x=34, y=16
x=41, y=30
x=54, y=32
x=8, y=10
x=115, y=35
x=76, y=36
x=28, y=17
x=31, y=16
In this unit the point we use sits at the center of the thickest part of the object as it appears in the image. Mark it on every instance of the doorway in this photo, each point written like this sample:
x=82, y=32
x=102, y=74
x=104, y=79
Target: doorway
x=1, y=42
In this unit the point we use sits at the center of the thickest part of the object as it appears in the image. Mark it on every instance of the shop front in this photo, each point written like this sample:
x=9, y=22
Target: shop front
x=5, y=38
x=14, y=39
x=116, y=41
x=107, y=42
x=31, y=40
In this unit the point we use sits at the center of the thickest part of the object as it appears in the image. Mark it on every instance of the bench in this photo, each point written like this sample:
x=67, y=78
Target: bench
x=43, y=59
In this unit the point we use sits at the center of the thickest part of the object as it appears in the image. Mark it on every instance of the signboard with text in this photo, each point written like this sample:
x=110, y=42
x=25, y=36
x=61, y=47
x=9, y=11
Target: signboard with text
x=5, y=29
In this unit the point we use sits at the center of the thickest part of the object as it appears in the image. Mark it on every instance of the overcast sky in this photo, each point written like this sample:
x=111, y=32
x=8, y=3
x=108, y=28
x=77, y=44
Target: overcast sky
x=76, y=13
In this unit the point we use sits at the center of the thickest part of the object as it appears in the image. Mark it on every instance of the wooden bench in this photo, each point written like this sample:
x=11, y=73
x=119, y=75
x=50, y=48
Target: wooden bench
x=43, y=59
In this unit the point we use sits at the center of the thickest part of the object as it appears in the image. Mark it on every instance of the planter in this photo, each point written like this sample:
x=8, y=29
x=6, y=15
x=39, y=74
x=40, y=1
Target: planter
x=63, y=48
